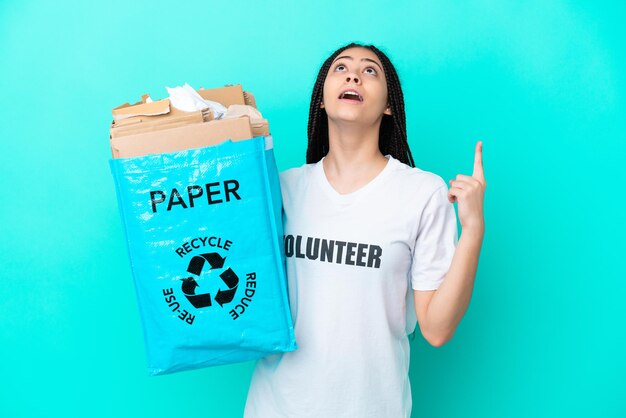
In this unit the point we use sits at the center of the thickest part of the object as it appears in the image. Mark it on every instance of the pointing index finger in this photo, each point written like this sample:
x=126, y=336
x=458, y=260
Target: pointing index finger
x=478, y=162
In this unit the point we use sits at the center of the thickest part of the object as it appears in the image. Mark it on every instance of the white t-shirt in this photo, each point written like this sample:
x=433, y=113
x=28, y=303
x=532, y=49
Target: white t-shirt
x=352, y=260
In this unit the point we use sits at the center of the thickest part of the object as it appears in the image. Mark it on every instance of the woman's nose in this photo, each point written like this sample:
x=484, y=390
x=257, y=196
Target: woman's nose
x=352, y=77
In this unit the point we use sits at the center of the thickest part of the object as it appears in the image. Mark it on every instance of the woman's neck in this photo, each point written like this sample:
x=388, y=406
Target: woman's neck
x=354, y=156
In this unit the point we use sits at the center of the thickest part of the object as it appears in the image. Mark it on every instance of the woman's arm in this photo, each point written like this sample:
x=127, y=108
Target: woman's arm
x=439, y=312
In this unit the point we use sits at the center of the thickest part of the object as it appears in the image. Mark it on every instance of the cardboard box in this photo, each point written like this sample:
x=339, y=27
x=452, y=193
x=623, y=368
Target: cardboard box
x=157, y=127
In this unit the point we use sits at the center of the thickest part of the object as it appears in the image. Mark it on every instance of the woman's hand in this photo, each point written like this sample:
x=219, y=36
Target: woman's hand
x=468, y=192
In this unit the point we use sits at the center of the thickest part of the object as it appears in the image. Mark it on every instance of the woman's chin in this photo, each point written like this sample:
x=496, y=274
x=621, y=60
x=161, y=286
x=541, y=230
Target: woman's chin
x=348, y=116
x=355, y=121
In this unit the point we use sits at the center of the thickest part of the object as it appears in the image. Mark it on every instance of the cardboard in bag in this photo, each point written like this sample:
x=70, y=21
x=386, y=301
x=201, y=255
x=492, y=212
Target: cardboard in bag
x=189, y=136
x=157, y=127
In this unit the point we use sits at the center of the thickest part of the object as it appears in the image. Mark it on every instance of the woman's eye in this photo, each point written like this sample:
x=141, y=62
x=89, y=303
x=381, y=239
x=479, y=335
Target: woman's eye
x=368, y=70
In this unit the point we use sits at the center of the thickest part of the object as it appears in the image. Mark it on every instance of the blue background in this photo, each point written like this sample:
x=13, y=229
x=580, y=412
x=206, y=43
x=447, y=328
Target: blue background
x=542, y=83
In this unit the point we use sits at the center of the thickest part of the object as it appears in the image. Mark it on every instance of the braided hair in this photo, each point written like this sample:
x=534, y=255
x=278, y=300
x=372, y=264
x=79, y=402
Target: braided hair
x=392, y=137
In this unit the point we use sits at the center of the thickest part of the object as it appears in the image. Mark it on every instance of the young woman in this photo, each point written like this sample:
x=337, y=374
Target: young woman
x=372, y=248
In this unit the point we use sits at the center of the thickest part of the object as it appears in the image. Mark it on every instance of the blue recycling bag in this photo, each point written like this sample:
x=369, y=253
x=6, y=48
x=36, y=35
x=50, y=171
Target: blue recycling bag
x=204, y=232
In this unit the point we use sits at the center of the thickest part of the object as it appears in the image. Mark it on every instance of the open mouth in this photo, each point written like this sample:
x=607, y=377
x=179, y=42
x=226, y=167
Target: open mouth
x=351, y=95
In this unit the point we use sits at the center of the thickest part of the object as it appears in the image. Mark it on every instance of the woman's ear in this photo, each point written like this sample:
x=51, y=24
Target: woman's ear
x=387, y=110
x=321, y=105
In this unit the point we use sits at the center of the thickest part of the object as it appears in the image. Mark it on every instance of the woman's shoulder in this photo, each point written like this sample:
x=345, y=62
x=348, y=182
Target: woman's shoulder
x=417, y=177
x=295, y=175
x=296, y=171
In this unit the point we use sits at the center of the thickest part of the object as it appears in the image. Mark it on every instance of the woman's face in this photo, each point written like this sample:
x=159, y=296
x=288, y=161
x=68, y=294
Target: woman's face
x=358, y=70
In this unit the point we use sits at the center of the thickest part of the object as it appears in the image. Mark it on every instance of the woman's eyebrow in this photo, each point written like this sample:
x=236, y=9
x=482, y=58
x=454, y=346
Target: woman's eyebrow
x=362, y=59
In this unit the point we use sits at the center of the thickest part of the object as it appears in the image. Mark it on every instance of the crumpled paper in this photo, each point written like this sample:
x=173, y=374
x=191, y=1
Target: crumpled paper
x=185, y=98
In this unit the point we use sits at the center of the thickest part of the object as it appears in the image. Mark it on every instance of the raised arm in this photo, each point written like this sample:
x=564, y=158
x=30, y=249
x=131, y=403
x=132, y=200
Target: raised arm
x=440, y=311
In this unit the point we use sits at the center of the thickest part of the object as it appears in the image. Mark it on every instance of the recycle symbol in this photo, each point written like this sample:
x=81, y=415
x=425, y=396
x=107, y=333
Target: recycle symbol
x=228, y=276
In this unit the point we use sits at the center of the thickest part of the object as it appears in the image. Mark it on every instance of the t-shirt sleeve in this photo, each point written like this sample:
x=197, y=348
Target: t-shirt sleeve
x=436, y=241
